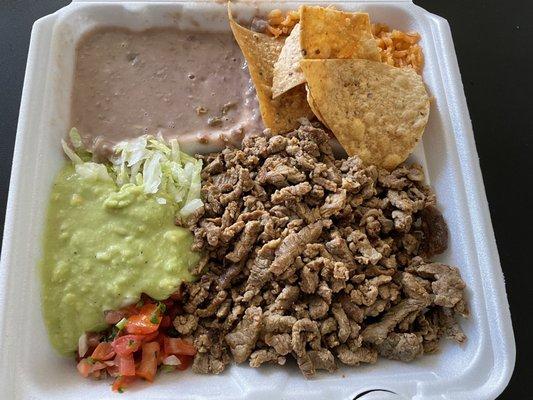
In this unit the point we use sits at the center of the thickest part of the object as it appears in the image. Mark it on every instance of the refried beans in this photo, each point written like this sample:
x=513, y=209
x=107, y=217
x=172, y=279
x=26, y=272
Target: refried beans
x=190, y=85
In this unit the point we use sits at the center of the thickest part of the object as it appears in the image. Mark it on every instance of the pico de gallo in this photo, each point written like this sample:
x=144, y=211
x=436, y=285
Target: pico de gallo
x=140, y=341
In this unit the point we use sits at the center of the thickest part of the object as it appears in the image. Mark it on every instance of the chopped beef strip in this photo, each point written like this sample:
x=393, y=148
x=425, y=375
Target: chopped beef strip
x=435, y=230
x=264, y=356
x=293, y=245
x=285, y=299
x=377, y=332
x=448, y=286
x=244, y=245
x=322, y=359
x=357, y=355
x=315, y=258
x=281, y=343
x=243, y=338
x=401, y=346
x=278, y=323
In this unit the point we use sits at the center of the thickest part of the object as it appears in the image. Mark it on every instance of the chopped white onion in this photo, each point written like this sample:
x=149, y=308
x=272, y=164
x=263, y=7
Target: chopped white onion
x=83, y=346
x=171, y=360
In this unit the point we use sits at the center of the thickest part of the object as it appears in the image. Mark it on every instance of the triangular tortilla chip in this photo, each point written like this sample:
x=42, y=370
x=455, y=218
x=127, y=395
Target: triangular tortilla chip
x=261, y=52
x=329, y=33
x=287, y=71
x=376, y=111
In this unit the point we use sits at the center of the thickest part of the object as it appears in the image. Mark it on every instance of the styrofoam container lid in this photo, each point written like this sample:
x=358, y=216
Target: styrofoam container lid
x=29, y=368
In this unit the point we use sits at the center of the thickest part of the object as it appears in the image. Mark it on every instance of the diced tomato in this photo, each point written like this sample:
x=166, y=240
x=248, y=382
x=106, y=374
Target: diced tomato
x=122, y=382
x=104, y=351
x=165, y=322
x=127, y=344
x=147, y=321
x=186, y=362
x=88, y=367
x=179, y=346
x=162, y=354
x=126, y=365
x=150, y=337
x=140, y=325
x=84, y=367
x=148, y=366
x=148, y=309
x=130, y=310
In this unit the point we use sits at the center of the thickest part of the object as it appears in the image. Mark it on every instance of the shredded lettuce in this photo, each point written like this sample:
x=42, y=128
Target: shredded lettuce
x=75, y=138
x=152, y=173
x=190, y=207
x=131, y=151
x=93, y=171
x=160, y=168
x=74, y=157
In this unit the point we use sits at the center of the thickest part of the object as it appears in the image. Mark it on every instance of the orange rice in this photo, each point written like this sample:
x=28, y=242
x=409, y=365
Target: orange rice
x=398, y=48
x=281, y=25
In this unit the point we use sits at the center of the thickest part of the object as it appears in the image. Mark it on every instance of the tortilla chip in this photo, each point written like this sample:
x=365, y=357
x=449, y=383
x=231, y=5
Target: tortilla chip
x=287, y=71
x=376, y=111
x=314, y=107
x=261, y=52
x=329, y=33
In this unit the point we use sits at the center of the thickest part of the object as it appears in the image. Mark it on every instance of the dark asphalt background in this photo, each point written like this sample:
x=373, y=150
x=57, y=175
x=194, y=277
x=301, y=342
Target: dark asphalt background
x=492, y=40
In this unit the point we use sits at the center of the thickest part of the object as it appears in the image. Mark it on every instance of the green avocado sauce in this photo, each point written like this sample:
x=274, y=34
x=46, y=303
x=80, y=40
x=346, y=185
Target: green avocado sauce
x=103, y=247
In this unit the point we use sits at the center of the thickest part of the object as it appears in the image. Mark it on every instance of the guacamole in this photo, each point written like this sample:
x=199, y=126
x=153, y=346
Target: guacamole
x=103, y=247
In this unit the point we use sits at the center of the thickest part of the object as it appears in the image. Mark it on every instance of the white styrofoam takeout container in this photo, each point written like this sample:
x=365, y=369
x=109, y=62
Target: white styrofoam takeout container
x=29, y=369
